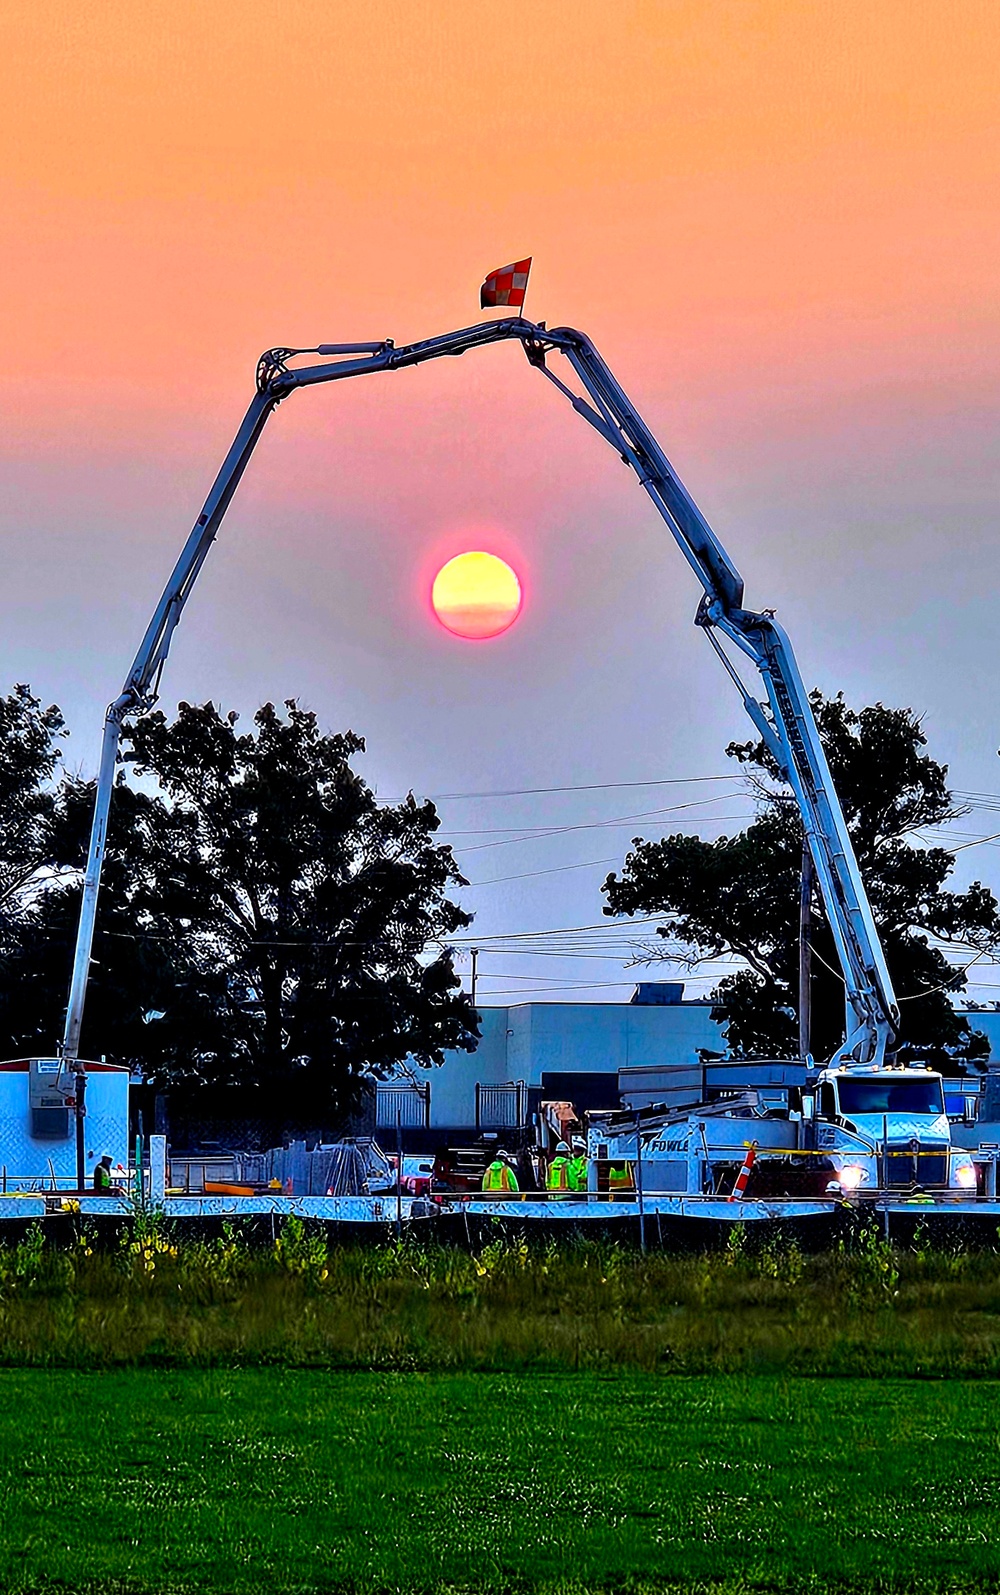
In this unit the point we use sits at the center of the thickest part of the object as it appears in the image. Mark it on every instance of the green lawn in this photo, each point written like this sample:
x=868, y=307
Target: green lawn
x=275, y=1480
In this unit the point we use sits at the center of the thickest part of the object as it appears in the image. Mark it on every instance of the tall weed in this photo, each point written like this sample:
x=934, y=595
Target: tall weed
x=514, y=1303
x=301, y=1251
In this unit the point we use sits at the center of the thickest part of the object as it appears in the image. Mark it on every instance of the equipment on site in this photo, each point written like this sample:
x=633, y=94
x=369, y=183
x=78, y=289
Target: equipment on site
x=834, y=1118
x=743, y=1177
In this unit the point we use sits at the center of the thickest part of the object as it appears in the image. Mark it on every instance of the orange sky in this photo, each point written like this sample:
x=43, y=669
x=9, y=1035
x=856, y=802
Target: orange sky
x=779, y=180
x=777, y=218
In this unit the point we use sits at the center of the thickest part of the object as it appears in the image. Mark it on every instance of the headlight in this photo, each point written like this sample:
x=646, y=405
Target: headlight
x=851, y=1176
x=965, y=1176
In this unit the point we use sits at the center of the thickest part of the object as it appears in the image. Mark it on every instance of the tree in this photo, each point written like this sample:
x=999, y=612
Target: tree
x=29, y=755
x=140, y=967
x=739, y=896
x=305, y=920
x=29, y=853
x=263, y=921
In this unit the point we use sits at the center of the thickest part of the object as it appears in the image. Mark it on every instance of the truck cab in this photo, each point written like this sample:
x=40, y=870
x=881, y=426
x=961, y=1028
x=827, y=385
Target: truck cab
x=887, y=1128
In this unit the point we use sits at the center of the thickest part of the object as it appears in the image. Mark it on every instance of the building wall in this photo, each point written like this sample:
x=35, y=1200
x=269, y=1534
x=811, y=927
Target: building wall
x=527, y=1040
x=989, y=1024
x=453, y=1085
x=28, y=1160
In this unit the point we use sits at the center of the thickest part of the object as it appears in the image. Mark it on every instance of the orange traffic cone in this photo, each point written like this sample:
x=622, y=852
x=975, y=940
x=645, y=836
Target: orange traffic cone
x=743, y=1177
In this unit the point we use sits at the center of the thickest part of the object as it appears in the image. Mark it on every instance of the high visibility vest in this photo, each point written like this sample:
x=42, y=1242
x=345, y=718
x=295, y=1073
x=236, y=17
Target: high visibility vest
x=620, y=1179
x=578, y=1174
x=499, y=1177
x=557, y=1178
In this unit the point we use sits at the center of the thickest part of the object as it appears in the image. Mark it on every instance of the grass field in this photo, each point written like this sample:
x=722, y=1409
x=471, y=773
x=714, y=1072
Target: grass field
x=150, y=1299
x=288, y=1480
x=188, y=1414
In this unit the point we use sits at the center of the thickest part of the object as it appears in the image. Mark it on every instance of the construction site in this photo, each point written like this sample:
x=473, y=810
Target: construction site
x=674, y=1133
x=500, y=798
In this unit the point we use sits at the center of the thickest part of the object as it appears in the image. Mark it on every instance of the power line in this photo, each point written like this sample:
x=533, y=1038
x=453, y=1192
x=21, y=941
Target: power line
x=596, y=786
x=597, y=825
x=513, y=974
x=593, y=825
x=594, y=985
x=560, y=930
x=553, y=952
x=979, y=841
x=560, y=869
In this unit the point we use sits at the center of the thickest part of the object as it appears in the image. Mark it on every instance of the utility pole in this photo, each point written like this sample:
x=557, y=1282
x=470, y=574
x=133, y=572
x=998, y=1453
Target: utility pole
x=474, y=953
x=638, y=1184
x=399, y=1171
x=80, y=1107
x=805, y=952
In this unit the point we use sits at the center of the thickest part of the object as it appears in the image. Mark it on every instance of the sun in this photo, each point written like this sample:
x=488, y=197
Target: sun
x=476, y=595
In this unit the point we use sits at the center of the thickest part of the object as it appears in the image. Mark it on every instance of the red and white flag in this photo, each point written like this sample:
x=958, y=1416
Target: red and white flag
x=507, y=286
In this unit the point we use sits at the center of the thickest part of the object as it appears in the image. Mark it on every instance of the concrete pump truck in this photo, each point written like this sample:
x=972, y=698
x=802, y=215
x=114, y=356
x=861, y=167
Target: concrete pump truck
x=865, y=1121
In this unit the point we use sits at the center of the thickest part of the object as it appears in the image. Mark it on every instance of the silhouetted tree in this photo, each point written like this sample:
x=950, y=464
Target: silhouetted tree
x=307, y=919
x=141, y=968
x=740, y=895
x=29, y=755
x=263, y=922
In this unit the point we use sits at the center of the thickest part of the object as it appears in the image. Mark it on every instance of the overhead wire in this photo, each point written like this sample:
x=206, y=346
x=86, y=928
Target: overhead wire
x=586, y=942
x=588, y=825
x=559, y=869
x=518, y=841
x=593, y=786
x=558, y=930
x=531, y=833
x=547, y=991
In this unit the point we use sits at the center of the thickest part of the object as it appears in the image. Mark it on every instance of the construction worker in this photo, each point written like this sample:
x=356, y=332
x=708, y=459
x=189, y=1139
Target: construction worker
x=620, y=1177
x=102, y=1176
x=557, y=1176
x=500, y=1175
x=577, y=1171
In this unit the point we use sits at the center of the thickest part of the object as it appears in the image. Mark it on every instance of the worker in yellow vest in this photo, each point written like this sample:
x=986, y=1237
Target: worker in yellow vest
x=577, y=1171
x=620, y=1178
x=557, y=1174
x=500, y=1175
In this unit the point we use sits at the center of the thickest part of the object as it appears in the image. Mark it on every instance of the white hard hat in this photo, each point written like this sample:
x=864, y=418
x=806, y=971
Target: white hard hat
x=562, y=1147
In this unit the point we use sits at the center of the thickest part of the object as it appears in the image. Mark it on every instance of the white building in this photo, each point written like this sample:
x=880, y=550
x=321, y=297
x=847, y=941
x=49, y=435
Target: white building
x=540, y=1051
x=988, y=1022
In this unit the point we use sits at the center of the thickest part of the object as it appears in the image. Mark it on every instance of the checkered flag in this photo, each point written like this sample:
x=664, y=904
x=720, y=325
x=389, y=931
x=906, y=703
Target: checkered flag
x=507, y=286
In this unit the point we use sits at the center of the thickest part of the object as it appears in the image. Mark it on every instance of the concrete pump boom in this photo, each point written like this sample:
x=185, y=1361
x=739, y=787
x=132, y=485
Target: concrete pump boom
x=784, y=721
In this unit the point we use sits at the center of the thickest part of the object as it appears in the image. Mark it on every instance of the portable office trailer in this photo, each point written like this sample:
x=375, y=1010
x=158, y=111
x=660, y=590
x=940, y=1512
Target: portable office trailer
x=38, y=1131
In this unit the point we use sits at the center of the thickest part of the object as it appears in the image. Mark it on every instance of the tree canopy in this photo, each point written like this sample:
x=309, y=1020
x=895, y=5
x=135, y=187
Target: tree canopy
x=264, y=921
x=739, y=896
x=29, y=755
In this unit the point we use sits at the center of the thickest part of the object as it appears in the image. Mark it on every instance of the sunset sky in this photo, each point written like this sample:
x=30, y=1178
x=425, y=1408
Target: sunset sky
x=778, y=220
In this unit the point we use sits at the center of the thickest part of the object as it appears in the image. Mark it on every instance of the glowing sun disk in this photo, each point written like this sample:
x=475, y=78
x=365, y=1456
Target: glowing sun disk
x=476, y=595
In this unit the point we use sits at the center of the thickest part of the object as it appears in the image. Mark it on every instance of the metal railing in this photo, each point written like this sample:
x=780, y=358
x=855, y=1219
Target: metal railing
x=501, y=1107
x=409, y=1106
x=51, y=1183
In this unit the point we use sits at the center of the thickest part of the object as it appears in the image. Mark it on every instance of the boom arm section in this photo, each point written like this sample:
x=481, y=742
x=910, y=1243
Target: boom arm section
x=275, y=380
x=785, y=721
